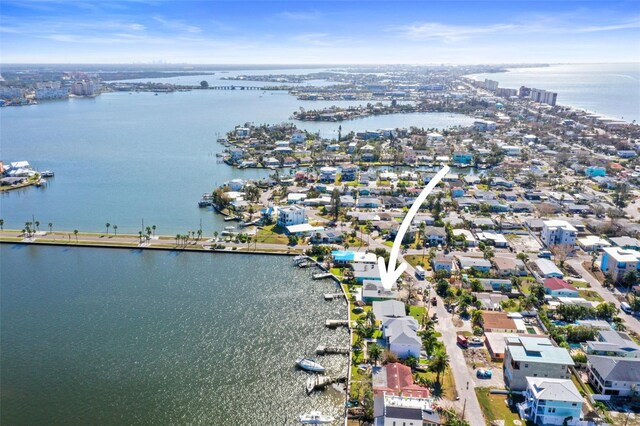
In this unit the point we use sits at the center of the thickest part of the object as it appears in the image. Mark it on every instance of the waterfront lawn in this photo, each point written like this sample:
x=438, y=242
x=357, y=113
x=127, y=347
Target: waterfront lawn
x=267, y=235
x=445, y=390
x=494, y=407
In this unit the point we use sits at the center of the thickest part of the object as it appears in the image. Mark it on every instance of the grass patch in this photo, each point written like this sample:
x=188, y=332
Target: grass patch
x=267, y=235
x=590, y=295
x=494, y=407
x=415, y=260
x=417, y=312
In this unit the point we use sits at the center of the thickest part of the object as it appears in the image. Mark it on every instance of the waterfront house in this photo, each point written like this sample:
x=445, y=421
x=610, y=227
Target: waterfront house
x=348, y=257
x=271, y=162
x=533, y=357
x=462, y=157
x=388, y=309
x=390, y=410
x=373, y=290
x=401, y=336
x=396, y=379
x=557, y=287
x=293, y=215
x=328, y=174
x=551, y=402
x=613, y=376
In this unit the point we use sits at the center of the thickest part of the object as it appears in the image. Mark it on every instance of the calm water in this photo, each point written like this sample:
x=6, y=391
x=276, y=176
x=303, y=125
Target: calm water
x=608, y=89
x=121, y=158
x=110, y=336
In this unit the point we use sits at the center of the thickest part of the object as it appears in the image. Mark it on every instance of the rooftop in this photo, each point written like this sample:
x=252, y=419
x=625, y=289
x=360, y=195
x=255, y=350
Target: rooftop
x=548, y=389
x=538, y=350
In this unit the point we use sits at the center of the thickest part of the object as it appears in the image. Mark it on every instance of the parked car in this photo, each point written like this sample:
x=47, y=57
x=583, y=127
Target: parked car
x=481, y=373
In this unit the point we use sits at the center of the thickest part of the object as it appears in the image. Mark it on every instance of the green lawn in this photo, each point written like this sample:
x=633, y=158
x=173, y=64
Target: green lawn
x=590, y=295
x=415, y=259
x=494, y=407
x=417, y=312
x=267, y=235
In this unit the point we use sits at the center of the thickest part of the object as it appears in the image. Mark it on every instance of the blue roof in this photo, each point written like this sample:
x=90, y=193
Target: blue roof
x=343, y=255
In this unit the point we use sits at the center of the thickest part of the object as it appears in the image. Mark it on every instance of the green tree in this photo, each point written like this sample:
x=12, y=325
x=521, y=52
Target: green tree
x=1, y=224
x=335, y=204
x=204, y=84
x=108, y=225
x=606, y=311
x=374, y=352
x=115, y=230
x=75, y=232
x=50, y=225
x=439, y=363
x=476, y=318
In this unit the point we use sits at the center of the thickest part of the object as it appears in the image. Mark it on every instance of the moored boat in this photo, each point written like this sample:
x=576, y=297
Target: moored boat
x=315, y=418
x=310, y=365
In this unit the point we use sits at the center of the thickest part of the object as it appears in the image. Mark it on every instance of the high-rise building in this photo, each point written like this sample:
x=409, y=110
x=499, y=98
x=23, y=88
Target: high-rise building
x=490, y=84
x=83, y=88
x=544, y=97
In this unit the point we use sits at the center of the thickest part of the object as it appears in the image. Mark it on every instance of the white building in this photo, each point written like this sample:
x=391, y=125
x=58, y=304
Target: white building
x=393, y=410
x=555, y=232
x=293, y=215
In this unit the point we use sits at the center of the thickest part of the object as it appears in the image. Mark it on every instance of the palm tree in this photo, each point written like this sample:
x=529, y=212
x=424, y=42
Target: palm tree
x=215, y=235
x=177, y=238
x=199, y=234
x=375, y=352
x=429, y=341
x=108, y=225
x=153, y=228
x=37, y=225
x=1, y=224
x=476, y=318
x=115, y=230
x=439, y=364
x=50, y=227
x=75, y=232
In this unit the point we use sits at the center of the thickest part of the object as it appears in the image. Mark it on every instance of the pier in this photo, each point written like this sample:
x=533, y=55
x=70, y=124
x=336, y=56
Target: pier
x=332, y=350
x=316, y=382
x=336, y=323
x=322, y=275
x=331, y=296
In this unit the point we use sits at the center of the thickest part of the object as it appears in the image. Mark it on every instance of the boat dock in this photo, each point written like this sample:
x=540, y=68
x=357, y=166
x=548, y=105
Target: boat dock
x=316, y=382
x=336, y=323
x=331, y=350
x=322, y=275
x=331, y=296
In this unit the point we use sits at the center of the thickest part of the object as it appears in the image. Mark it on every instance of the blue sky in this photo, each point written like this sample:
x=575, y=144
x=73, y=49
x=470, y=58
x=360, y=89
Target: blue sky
x=319, y=32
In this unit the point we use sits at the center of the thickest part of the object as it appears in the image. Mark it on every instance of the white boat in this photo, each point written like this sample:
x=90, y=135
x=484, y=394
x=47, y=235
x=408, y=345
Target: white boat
x=299, y=259
x=310, y=365
x=315, y=418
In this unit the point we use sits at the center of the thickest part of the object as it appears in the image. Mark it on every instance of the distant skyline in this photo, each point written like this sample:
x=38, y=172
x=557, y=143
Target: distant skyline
x=319, y=32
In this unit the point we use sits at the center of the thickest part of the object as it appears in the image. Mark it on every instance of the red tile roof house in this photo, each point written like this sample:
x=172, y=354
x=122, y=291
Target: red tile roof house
x=396, y=379
x=559, y=288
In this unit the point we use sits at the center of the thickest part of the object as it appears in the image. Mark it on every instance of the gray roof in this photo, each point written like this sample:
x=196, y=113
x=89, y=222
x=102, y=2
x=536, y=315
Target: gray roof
x=616, y=368
x=554, y=389
x=388, y=308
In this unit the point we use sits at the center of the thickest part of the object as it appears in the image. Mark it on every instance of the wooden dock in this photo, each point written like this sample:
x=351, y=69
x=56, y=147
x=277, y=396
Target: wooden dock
x=331, y=296
x=336, y=323
x=329, y=350
x=322, y=275
x=316, y=382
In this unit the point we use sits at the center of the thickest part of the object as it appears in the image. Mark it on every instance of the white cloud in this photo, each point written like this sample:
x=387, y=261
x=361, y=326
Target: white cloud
x=177, y=25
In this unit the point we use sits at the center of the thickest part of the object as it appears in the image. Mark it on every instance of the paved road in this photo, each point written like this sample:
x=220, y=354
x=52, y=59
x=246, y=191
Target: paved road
x=631, y=322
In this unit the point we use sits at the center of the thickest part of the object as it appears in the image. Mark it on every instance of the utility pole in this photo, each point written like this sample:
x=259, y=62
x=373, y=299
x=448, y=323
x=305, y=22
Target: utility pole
x=464, y=407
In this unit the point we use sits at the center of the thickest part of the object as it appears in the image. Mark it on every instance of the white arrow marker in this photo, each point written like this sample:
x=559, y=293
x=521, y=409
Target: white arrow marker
x=390, y=276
